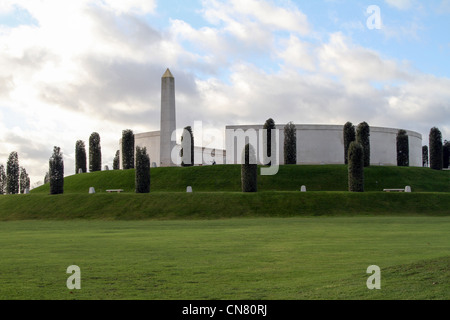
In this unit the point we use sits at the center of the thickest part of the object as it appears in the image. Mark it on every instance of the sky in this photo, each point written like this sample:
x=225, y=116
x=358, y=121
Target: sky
x=71, y=68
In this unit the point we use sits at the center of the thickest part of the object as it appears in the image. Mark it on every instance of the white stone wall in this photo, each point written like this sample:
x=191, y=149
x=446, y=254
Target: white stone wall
x=150, y=140
x=324, y=144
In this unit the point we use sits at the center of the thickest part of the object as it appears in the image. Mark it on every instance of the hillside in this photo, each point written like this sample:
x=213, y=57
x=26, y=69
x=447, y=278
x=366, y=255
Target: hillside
x=226, y=178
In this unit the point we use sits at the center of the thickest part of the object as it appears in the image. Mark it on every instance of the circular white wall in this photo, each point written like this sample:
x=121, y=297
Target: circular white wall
x=324, y=144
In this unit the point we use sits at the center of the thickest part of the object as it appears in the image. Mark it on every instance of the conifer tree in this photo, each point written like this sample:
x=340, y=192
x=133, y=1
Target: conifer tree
x=355, y=167
x=363, y=138
x=80, y=157
x=127, y=149
x=402, y=149
x=2, y=179
x=56, y=172
x=424, y=156
x=116, y=161
x=142, y=179
x=290, y=144
x=187, y=147
x=349, y=137
x=269, y=125
x=24, y=180
x=95, y=153
x=436, y=152
x=12, y=174
x=249, y=170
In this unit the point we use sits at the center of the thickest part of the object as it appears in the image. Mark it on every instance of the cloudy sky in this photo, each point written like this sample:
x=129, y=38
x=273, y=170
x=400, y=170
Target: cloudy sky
x=69, y=68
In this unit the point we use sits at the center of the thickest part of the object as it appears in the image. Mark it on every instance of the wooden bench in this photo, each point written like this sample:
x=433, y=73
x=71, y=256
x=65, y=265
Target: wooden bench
x=114, y=190
x=394, y=190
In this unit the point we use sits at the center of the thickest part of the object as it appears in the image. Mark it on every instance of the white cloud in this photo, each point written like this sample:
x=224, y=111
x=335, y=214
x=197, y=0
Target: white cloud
x=400, y=4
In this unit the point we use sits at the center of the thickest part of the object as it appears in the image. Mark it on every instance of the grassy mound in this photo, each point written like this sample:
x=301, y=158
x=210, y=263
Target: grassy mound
x=226, y=178
x=217, y=195
x=218, y=205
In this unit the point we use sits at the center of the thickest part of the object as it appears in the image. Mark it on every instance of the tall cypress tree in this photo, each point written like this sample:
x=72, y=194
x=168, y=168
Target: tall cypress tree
x=424, y=156
x=187, y=147
x=12, y=174
x=402, y=149
x=446, y=153
x=269, y=125
x=80, y=157
x=355, y=167
x=290, y=144
x=363, y=138
x=127, y=149
x=349, y=137
x=142, y=179
x=2, y=179
x=24, y=180
x=95, y=153
x=249, y=170
x=435, y=145
x=116, y=161
x=46, y=178
x=56, y=172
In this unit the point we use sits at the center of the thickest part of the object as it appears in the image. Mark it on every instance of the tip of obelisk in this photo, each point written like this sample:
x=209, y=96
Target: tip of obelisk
x=167, y=74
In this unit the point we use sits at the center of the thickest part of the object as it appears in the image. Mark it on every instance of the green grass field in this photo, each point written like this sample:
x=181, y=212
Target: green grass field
x=263, y=258
x=219, y=243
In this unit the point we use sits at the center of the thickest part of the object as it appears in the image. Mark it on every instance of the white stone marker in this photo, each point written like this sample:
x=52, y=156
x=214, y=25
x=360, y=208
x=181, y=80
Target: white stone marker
x=407, y=189
x=154, y=165
x=91, y=190
x=80, y=170
x=189, y=189
x=303, y=189
x=27, y=191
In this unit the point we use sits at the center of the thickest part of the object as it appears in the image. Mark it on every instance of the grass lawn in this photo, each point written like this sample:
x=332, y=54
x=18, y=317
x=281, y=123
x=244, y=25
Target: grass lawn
x=239, y=258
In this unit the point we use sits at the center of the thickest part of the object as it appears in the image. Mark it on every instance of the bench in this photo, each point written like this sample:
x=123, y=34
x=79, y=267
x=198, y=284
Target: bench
x=114, y=190
x=394, y=190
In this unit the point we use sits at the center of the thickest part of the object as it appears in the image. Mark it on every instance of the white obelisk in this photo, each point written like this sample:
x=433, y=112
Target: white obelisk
x=167, y=125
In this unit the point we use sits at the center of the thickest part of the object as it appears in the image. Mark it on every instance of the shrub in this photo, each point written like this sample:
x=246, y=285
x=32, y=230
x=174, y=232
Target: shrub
x=290, y=144
x=402, y=149
x=249, y=170
x=435, y=145
x=363, y=138
x=355, y=167
x=56, y=172
x=142, y=180
x=349, y=137
x=127, y=149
